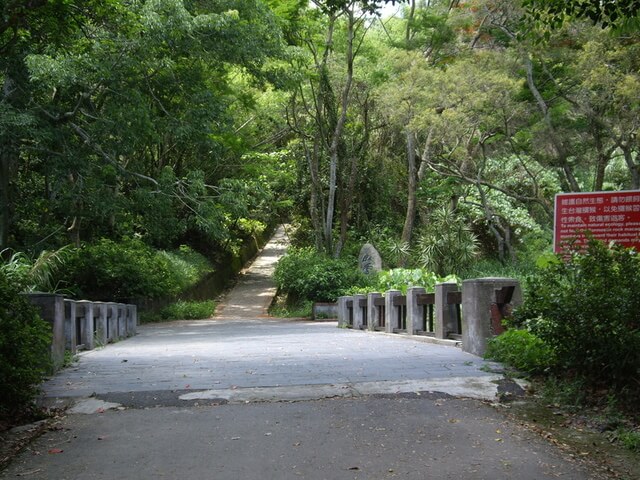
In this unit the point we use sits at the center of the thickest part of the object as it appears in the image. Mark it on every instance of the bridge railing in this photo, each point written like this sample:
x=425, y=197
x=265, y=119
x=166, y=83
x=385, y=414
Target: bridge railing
x=83, y=324
x=471, y=315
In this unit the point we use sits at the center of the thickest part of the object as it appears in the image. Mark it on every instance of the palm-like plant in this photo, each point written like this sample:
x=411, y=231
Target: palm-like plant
x=447, y=245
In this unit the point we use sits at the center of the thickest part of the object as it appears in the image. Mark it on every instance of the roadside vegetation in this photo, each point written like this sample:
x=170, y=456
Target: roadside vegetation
x=25, y=341
x=577, y=335
x=146, y=144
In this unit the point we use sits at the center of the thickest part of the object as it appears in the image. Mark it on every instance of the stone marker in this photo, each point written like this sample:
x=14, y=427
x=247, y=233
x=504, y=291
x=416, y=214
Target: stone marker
x=369, y=260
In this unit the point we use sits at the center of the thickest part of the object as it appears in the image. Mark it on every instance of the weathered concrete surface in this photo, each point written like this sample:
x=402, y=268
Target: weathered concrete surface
x=225, y=354
x=408, y=437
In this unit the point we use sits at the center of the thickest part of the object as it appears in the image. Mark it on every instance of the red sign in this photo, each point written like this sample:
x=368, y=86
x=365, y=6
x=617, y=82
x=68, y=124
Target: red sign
x=607, y=216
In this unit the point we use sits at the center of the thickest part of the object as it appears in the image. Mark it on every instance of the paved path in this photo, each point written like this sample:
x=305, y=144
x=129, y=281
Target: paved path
x=243, y=396
x=255, y=290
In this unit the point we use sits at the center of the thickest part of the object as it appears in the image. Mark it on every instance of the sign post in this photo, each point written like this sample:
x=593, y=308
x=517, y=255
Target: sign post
x=606, y=216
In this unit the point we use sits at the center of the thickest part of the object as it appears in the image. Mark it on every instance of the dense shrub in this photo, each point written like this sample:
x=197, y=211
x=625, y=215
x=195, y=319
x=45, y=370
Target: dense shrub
x=109, y=270
x=587, y=308
x=403, y=278
x=306, y=274
x=188, y=310
x=25, y=342
x=522, y=350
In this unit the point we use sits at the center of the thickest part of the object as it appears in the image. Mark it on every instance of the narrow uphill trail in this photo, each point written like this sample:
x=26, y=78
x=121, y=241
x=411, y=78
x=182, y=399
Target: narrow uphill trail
x=253, y=293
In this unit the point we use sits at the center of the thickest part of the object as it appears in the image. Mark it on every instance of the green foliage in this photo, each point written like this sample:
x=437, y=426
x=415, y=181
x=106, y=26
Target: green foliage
x=587, y=309
x=307, y=274
x=571, y=393
x=403, y=278
x=109, y=270
x=188, y=310
x=188, y=266
x=35, y=274
x=25, y=342
x=553, y=13
x=494, y=268
x=629, y=439
x=283, y=308
x=522, y=350
x=447, y=245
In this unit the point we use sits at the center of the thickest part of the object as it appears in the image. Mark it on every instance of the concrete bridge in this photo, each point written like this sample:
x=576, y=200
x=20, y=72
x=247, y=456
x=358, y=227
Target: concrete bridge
x=245, y=396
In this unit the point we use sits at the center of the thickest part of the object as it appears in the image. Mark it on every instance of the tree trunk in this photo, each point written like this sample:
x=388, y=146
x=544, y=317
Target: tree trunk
x=561, y=153
x=409, y=220
x=602, y=160
x=634, y=168
x=348, y=194
x=336, y=135
x=407, y=33
x=5, y=206
x=314, y=200
x=345, y=207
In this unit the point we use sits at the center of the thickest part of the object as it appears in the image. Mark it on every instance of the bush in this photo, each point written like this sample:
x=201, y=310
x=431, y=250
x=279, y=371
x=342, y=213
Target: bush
x=25, y=341
x=306, y=274
x=403, y=278
x=522, y=350
x=188, y=310
x=109, y=270
x=587, y=309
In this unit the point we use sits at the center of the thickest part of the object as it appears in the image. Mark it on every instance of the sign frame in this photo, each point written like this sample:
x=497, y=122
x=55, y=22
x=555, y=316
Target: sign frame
x=612, y=216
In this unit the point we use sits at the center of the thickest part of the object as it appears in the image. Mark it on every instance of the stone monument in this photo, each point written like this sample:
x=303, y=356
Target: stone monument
x=369, y=260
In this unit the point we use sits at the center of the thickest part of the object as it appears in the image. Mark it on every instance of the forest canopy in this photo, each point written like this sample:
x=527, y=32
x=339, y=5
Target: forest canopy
x=182, y=122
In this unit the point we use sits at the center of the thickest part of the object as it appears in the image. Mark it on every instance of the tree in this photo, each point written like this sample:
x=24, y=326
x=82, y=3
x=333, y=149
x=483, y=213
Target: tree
x=149, y=88
x=327, y=100
x=608, y=13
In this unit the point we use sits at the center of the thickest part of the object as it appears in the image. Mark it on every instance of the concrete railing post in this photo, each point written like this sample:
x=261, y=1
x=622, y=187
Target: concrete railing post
x=415, y=312
x=446, y=316
x=343, y=314
x=70, y=326
x=358, y=312
x=112, y=321
x=84, y=312
x=373, y=311
x=51, y=308
x=391, y=312
x=122, y=320
x=132, y=319
x=479, y=304
x=100, y=317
